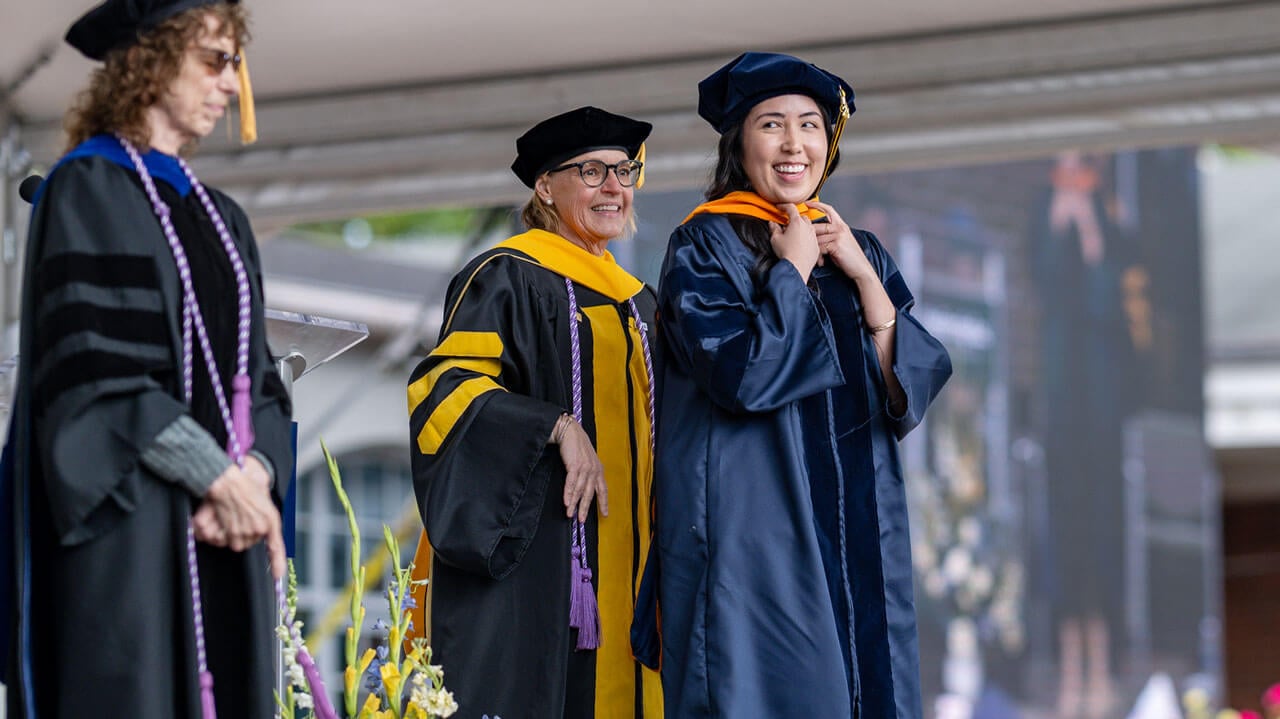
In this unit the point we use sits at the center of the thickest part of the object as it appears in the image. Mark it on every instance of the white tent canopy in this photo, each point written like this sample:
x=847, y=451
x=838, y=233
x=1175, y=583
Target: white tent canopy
x=382, y=105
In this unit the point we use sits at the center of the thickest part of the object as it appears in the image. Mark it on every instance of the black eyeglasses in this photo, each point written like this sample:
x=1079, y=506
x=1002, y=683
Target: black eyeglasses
x=217, y=60
x=594, y=172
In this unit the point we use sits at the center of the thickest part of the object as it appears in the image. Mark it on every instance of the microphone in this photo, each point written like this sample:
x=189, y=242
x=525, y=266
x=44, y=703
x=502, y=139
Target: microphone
x=27, y=190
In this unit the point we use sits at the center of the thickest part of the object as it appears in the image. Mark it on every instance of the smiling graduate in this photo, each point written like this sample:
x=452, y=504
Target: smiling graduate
x=791, y=366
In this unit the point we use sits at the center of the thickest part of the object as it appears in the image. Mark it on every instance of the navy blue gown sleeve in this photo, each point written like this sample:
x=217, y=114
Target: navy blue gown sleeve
x=751, y=346
x=920, y=362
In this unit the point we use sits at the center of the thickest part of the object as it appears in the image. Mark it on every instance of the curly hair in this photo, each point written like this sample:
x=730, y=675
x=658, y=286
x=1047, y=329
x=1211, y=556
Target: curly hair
x=136, y=77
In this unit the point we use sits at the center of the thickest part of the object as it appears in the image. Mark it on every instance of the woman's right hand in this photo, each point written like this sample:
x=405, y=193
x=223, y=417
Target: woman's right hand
x=584, y=474
x=796, y=243
x=238, y=512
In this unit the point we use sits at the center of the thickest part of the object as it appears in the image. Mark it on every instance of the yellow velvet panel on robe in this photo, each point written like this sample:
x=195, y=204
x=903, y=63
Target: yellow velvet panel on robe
x=622, y=437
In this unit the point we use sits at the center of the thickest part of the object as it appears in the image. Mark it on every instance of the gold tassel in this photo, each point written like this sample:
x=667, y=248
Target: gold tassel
x=640, y=159
x=841, y=118
x=248, y=118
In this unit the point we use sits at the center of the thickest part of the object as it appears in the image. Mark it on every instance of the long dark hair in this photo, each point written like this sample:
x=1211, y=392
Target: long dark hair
x=731, y=176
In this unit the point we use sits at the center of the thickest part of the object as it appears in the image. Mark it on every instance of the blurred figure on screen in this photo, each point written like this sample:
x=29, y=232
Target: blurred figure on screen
x=1085, y=347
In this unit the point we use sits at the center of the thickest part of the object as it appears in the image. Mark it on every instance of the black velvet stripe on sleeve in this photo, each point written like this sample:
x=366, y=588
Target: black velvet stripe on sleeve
x=99, y=317
x=123, y=324
x=94, y=269
x=84, y=368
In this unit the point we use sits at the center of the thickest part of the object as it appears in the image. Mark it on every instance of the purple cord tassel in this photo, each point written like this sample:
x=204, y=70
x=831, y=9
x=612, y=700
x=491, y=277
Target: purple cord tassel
x=241, y=420
x=323, y=709
x=206, y=696
x=584, y=615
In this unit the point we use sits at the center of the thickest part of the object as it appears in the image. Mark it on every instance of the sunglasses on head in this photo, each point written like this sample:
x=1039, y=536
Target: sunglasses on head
x=217, y=60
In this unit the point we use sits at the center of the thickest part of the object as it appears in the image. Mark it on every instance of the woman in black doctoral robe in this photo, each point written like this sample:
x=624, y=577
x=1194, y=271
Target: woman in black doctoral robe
x=532, y=412
x=118, y=439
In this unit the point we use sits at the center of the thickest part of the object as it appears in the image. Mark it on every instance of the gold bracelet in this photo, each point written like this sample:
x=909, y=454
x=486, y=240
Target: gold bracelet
x=882, y=327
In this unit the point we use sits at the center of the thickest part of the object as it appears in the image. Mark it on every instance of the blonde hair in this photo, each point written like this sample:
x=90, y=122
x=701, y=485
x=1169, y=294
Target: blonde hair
x=136, y=77
x=538, y=215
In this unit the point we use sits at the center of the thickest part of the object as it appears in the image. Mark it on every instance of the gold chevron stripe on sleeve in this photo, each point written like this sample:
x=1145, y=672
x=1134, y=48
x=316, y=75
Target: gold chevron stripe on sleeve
x=446, y=414
x=420, y=389
x=470, y=344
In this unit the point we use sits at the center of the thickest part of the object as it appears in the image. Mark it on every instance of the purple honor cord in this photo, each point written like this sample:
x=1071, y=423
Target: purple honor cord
x=584, y=612
x=236, y=418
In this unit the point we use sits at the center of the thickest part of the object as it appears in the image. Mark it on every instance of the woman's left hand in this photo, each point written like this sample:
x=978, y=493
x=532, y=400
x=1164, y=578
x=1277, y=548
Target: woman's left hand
x=840, y=247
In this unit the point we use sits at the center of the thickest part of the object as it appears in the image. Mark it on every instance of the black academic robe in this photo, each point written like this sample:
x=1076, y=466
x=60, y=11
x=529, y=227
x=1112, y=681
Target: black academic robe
x=490, y=488
x=782, y=557
x=103, y=618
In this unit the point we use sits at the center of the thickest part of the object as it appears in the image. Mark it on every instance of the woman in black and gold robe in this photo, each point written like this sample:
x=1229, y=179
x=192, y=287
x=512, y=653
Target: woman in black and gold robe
x=505, y=458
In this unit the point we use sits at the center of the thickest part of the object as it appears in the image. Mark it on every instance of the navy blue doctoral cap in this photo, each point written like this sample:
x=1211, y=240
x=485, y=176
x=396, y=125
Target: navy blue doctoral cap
x=118, y=23
x=559, y=138
x=728, y=94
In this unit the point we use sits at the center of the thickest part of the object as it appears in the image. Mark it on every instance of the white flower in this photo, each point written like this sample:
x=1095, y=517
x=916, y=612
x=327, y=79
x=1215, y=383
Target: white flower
x=935, y=584
x=924, y=554
x=296, y=676
x=440, y=702
x=962, y=637
x=980, y=581
x=1005, y=612
x=956, y=565
x=435, y=672
x=303, y=700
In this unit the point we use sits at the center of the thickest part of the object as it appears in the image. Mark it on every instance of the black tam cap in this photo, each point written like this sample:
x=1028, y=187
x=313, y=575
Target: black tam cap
x=117, y=23
x=728, y=94
x=556, y=139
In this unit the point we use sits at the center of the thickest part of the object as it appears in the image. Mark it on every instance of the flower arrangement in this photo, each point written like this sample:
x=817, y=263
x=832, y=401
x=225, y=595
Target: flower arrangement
x=399, y=682
x=1198, y=705
x=962, y=561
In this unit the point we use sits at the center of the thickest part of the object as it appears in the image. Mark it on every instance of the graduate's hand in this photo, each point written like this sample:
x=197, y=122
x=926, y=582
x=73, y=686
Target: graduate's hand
x=243, y=509
x=838, y=245
x=584, y=474
x=796, y=243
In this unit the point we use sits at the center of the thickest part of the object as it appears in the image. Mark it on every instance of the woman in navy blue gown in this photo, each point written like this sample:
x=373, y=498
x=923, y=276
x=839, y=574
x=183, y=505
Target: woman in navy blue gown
x=790, y=368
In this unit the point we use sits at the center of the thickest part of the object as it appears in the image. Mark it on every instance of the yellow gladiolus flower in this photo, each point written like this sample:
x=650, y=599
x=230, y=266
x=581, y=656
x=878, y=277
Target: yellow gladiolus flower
x=349, y=680
x=391, y=679
x=371, y=705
